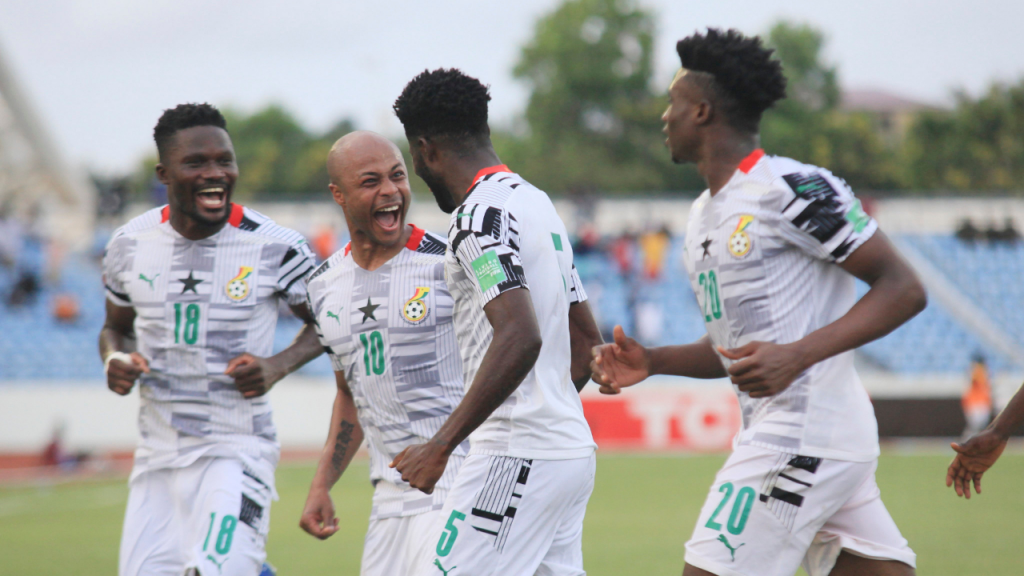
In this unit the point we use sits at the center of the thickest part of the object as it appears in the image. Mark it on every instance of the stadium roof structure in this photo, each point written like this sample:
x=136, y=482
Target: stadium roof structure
x=33, y=169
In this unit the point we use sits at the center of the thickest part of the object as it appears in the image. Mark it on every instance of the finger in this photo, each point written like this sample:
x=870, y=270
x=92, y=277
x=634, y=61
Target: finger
x=762, y=392
x=140, y=362
x=246, y=372
x=610, y=390
x=951, y=472
x=619, y=336
x=398, y=459
x=977, y=483
x=742, y=367
x=121, y=369
x=749, y=379
x=237, y=361
x=738, y=353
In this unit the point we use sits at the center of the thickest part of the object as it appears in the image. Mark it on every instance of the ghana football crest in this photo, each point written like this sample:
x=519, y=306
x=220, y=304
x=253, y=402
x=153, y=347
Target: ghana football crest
x=739, y=241
x=415, y=309
x=237, y=288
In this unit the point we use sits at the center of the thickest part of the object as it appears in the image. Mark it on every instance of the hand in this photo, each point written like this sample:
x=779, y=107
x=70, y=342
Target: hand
x=121, y=376
x=972, y=459
x=621, y=363
x=764, y=369
x=254, y=376
x=421, y=465
x=318, y=515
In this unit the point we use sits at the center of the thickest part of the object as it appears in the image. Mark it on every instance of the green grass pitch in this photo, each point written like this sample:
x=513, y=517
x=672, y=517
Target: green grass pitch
x=642, y=511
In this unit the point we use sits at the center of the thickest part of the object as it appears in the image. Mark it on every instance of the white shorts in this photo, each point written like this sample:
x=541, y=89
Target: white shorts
x=769, y=513
x=513, y=517
x=399, y=545
x=212, y=515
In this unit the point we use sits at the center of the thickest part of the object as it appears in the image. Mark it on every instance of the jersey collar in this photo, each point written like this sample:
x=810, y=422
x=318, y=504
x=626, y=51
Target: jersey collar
x=748, y=163
x=487, y=171
x=414, y=239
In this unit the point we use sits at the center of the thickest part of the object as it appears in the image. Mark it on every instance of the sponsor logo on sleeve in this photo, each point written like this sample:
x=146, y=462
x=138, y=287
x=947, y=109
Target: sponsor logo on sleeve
x=488, y=270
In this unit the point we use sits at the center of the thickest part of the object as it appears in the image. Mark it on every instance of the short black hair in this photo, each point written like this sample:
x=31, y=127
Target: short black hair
x=747, y=80
x=185, y=116
x=444, y=103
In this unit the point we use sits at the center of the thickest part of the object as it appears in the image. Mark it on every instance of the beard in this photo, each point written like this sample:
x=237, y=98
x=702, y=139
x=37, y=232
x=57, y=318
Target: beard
x=443, y=196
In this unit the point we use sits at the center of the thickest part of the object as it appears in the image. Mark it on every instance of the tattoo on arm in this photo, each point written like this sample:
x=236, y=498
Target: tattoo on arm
x=341, y=443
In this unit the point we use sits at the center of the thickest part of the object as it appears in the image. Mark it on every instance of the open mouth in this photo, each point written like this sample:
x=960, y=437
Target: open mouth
x=212, y=198
x=388, y=216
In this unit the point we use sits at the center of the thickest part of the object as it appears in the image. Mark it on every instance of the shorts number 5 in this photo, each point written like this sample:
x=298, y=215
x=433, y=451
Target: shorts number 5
x=450, y=533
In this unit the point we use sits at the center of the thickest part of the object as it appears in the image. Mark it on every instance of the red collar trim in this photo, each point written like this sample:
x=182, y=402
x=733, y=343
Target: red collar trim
x=235, y=218
x=485, y=171
x=415, y=238
x=747, y=164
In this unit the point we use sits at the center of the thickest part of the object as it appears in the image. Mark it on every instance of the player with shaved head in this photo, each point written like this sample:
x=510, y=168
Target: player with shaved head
x=384, y=314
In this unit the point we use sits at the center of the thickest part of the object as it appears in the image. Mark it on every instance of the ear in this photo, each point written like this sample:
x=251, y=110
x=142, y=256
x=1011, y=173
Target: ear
x=428, y=149
x=339, y=196
x=161, y=174
x=703, y=113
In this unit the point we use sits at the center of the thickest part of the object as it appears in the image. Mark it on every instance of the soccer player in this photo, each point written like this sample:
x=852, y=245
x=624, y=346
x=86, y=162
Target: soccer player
x=523, y=325
x=193, y=290
x=975, y=456
x=772, y=249
x=385, y=314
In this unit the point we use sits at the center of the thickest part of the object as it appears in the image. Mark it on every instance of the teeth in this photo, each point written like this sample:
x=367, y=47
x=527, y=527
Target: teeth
x=391, y=209
x=211, y=191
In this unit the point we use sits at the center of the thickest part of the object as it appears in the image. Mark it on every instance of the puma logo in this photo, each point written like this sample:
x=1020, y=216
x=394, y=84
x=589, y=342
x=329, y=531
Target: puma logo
x=441, y=568
x=732, y=551
x=220, y=565
x=148, y=280
x=335, y=316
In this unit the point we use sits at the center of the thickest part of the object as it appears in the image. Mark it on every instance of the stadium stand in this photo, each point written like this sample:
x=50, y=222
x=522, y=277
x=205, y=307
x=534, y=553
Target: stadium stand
x=36, y=346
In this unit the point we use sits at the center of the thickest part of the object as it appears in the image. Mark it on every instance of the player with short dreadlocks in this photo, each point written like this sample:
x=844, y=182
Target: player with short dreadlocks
x=193, y=292
x=772, y=249
x=517, y=504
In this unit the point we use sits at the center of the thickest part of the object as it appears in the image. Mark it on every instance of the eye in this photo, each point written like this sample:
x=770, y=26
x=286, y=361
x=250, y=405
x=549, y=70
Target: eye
x=398, y=174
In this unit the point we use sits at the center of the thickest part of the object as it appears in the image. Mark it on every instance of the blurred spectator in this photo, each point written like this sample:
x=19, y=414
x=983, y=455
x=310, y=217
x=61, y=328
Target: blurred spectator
x=977, y=399
x=655, y=246
x=11, y=236
x=589, y=240
x=56, y=455
x=65, y=308
x=325, y=242
x=1009, y=232
x=623, y=252
x=967, y=231
x=24, y=291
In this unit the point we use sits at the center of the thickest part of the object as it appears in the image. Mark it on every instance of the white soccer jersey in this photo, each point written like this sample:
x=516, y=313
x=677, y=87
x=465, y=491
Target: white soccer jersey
x=390, y=333
x=198, y=304
x=505, y=236
x=762, y=257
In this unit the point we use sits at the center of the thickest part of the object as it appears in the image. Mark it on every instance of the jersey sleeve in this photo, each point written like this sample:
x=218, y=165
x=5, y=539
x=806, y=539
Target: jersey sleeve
x=485, y=242
x=576, y=292
x=115, y=260
x=822, y=217
x=337, y=362
x=297, y=263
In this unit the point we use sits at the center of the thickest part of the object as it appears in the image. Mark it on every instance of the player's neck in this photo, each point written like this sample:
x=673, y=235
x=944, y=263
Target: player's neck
x=192, y=229
x=369, y=254
x=464, y=168
x=721, y=155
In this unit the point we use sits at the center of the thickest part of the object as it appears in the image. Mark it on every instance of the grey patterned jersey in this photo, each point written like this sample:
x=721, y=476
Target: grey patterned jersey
x=198, y=304
x=762, y=257
x=390, y=333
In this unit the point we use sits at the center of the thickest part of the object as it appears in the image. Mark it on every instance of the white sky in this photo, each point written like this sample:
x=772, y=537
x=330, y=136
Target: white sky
x=100, y=71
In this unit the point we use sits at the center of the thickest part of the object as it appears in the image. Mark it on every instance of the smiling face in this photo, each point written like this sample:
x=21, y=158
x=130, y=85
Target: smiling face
x=199, y=170
x=687, y=111
x=369, y=181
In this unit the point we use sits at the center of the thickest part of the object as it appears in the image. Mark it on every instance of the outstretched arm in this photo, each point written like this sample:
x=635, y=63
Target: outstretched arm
x=583, y=337
x=896, y=295
x=343, y=440
x=509, y=358
x=978, y=454
x=121, y=362
x=625, y=362
x=256, y=376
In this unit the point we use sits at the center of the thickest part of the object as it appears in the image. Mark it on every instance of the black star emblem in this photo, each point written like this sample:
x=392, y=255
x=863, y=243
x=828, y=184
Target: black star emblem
x=368, y=311
x=190, y=283
x=706, y=244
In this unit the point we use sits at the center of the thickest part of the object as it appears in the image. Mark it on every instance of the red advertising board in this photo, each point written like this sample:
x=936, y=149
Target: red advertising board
x=657, y=416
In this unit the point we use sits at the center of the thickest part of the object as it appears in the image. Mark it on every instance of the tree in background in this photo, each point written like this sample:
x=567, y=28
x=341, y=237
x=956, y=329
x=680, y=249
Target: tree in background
x=979, y=145
x=592, y=119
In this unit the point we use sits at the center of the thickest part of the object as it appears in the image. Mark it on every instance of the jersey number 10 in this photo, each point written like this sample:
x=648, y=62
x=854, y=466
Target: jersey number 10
x=373, y=352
